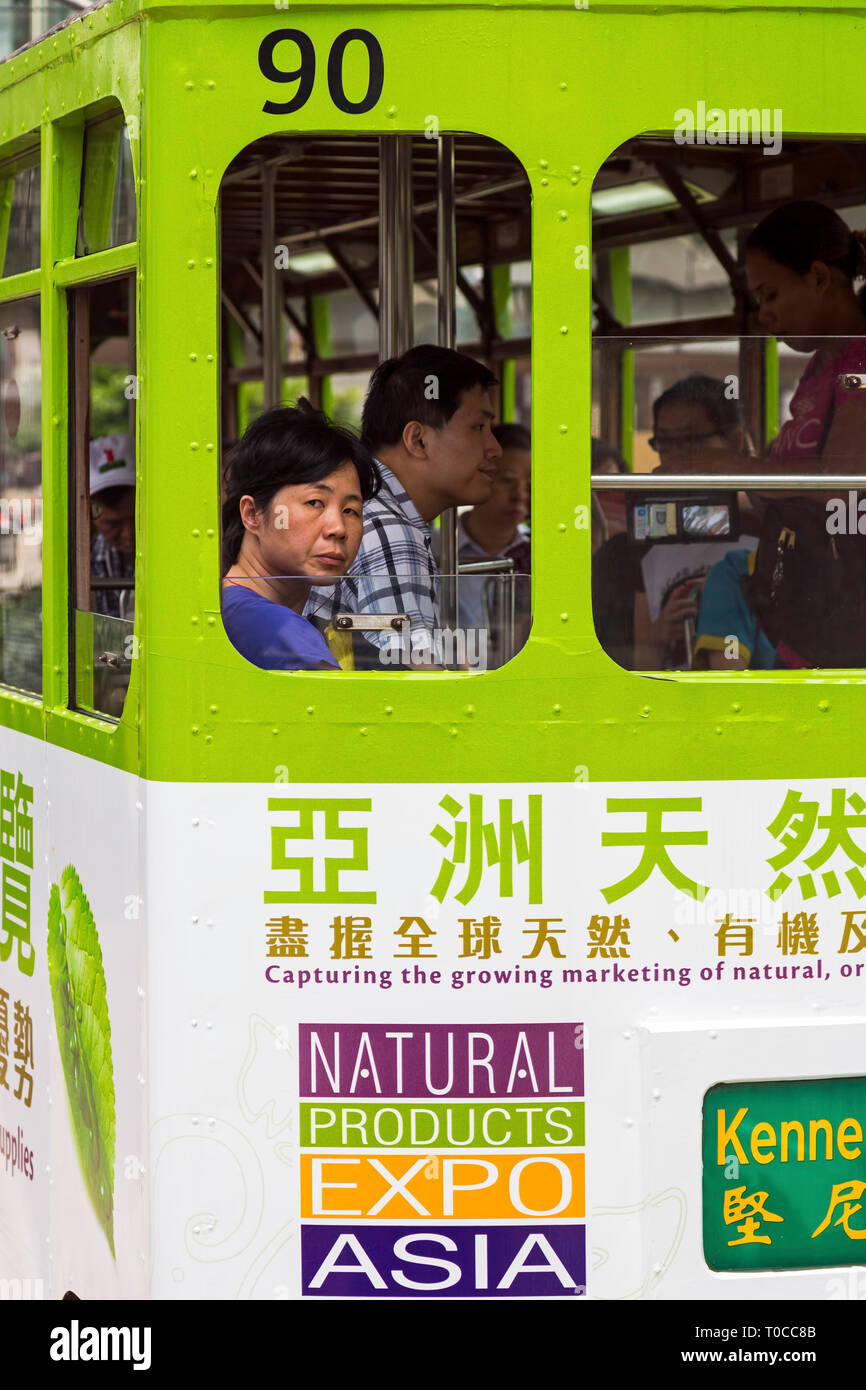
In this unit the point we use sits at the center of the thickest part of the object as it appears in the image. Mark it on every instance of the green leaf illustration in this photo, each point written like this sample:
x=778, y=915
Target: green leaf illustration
x=84, y=1036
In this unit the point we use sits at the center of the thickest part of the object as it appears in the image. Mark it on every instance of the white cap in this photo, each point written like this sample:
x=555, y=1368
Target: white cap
x=112, y=462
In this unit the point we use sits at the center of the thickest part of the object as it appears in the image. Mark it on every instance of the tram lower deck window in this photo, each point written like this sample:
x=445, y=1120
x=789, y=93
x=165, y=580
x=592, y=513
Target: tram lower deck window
x=412, y=549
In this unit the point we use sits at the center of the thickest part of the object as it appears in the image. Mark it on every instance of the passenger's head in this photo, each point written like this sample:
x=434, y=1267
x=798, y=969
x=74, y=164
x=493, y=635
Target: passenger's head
x=428, y=416
x=509, y=500
x=694, y=414
x=294, y=490
x=112, y=490
x=801, y=263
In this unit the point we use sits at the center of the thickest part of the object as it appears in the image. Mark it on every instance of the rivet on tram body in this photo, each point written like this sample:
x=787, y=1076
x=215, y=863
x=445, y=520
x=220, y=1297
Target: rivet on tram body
x=563, y=617
x=273, y=731
x=189, y=86
x=389, y=709
x=192, y=357
x=194, y=729
x=211, y=84
x=563, y=429
x=564, y=329
x=55, y=420
x=190, y=265
x=210, y=530
x=645, y=712
x=196, y=533
x=453, y=733
x=575, y=178
x=557, y=709
x=542, y=163
x=562, y=526
x=211, y=620
x=209, y=448
x=718, y=728
x=194, y=622
x=193, y=445
x=544, y=183
x=563, y=215
x=311, y=709
x=563, y=86
x=823, y=706
x=470, y=710
x=392, y=111
x=208, y=260
x=736, y=707
x=363, y=732
x=210, y=359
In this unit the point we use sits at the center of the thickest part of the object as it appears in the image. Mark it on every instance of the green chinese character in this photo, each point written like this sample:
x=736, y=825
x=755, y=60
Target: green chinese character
x=477, y=845
x=653, y=840
x=331, y=808
x=794, y=826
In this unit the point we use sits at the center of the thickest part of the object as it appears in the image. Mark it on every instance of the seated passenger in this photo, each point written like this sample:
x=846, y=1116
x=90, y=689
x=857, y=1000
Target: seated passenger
x=112, y=513
x=496, y=528
x=427, y=419
x=695, y=413
x=294, y=491
x=808, y=586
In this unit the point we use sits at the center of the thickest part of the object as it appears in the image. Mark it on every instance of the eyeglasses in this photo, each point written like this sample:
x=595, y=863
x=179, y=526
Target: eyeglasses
x=680, y=441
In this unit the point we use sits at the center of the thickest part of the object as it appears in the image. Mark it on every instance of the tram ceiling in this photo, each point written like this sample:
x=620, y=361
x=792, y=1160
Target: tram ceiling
x=718, y=187
x=326, y=201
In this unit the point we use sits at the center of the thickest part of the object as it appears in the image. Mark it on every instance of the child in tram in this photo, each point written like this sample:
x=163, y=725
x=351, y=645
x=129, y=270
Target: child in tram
x=808, y=586
x=292, y=513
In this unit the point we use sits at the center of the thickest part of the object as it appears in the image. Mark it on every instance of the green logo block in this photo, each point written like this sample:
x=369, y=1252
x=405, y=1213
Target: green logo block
x=784, y=1181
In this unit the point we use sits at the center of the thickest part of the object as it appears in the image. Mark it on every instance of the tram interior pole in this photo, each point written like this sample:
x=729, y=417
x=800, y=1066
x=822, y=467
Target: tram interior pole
x=272, y=363
x=446, y=281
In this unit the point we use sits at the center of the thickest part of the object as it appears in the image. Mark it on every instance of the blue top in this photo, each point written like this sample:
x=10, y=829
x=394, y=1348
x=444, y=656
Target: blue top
x=270, y=635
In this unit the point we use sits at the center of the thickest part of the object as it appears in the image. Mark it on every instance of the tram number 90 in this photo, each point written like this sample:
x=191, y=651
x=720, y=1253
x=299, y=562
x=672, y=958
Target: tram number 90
x=305, y=74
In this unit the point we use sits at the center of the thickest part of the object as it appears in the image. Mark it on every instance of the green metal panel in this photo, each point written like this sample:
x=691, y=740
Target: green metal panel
x=561, y=703
x=620, y=284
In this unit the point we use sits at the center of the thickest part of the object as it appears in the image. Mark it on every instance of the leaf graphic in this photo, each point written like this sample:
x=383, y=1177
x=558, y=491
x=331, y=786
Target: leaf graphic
x=84, y=1036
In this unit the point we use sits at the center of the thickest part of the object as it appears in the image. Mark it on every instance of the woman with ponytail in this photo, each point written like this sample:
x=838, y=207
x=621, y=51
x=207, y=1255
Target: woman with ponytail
x=807, y=587
x=292, y=513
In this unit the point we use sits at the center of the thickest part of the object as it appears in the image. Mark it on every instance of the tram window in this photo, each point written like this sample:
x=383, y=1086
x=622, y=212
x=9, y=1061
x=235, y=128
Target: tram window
x=21, y=497
x=321, y=255
x=102, y=484
x=20, y=212
x=107, y=214
x=702, y=365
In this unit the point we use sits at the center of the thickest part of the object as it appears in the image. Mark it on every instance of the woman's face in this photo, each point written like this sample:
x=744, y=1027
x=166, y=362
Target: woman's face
x=310, y=530
x=792, y=307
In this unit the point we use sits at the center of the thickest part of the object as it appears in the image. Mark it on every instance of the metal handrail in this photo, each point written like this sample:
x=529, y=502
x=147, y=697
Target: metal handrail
x=717, y=482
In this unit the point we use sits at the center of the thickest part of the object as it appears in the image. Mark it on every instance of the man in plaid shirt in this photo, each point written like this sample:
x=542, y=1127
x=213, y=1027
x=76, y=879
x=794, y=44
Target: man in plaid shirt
x=427, y=419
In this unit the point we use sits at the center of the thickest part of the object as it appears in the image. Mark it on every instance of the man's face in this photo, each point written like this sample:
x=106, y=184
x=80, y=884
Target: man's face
x=464, y=454
x=117, y=523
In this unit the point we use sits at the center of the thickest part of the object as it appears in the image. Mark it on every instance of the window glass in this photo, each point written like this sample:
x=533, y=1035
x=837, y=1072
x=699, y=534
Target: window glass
x=107, y=215
x=21, y=203
x=102, y=454
x=355, y=278
x=20, y=497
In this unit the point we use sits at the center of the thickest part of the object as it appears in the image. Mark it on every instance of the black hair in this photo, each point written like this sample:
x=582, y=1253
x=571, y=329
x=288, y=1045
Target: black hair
x=425, y=384
x=111, y=496
x=512, y=436
x=797, y=234
x=602, y=453
x=708, y=392
x=282, y=447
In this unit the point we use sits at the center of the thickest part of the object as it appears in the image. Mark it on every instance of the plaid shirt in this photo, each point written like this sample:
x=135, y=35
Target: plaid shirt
x=108, y=563
x=394, y=571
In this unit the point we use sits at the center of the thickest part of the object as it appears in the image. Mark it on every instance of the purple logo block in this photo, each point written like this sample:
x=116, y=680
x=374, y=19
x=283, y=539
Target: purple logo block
x=361, y=1261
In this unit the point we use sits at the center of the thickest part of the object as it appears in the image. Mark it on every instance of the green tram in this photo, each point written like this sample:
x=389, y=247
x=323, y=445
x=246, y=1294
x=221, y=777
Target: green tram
x=539, y=980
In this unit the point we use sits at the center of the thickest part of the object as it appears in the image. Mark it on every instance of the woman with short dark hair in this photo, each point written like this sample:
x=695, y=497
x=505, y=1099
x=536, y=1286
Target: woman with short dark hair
x=294, y=492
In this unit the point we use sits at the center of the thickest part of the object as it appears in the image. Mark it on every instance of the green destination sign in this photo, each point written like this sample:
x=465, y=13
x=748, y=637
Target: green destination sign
x=785, y=1174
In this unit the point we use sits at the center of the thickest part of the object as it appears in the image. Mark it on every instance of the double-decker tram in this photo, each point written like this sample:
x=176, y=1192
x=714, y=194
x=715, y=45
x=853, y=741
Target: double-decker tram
x=432, y=611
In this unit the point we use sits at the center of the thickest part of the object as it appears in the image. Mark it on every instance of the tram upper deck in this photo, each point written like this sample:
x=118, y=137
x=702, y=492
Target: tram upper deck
x=168, y=158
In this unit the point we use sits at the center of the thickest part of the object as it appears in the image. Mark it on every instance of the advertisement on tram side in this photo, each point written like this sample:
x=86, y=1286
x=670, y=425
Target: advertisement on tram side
x=71, y=1028
x=496, y=1041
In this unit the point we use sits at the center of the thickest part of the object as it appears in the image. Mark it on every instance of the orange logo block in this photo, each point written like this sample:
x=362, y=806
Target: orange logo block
x=412, y=1187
